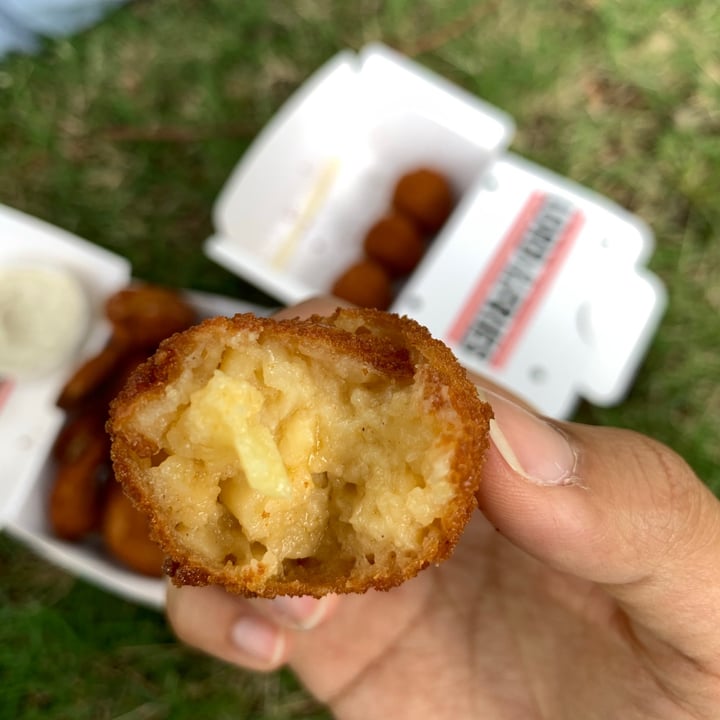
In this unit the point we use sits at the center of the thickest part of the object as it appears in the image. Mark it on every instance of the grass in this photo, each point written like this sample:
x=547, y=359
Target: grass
x=125, y=134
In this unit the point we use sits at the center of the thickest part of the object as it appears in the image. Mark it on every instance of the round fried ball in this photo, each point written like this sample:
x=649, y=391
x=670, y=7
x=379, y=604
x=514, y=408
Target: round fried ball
x=365, y=284
x=425, y=196
x=394, y=242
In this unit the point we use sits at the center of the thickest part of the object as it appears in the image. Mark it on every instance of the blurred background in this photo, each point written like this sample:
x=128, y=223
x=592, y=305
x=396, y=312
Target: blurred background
x=125, y=133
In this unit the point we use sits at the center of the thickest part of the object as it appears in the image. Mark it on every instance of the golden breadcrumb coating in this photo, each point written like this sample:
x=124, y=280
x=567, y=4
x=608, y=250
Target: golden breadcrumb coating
x=301, y=457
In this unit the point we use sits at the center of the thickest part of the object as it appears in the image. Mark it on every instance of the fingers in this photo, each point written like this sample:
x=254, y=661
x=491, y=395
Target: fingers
x=226, y=627
x=254, y=634
x=615, y=508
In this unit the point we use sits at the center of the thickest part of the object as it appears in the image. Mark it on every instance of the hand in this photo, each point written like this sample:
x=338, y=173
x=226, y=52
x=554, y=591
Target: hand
x=589, y=587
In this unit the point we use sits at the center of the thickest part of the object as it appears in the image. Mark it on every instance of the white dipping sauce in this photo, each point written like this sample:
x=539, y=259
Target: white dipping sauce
x=44, y=314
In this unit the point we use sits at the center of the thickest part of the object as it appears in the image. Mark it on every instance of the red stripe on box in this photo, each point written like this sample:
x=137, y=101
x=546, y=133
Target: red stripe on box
x=539, y=289
x=512, y=239
x=5, y=389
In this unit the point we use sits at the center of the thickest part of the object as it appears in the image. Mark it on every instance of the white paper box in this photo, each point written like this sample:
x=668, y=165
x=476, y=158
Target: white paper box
x=30, y=420
x=568, y=315
x=293, y=215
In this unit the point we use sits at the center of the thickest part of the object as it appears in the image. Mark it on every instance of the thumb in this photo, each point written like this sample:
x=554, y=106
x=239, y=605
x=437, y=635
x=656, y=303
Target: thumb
x=615, y=508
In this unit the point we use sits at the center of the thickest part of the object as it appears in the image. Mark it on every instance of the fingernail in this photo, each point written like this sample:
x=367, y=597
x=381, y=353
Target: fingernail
x=301, y=613
x=531, y=446
x=259, y=639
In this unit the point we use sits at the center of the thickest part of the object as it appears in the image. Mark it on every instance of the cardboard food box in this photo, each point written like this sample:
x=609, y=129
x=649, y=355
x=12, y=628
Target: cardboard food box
x=30, y=419
x=540, y=285
x=534, y=281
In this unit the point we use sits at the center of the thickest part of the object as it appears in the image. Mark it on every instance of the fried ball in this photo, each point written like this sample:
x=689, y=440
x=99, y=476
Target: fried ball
x=394, y=242
x=89, y=378
x=301, y=457
x=143, y=315
x=365, y=284
x=79, y=432
x=425, y=196
x=75, y=499
x=126, y=533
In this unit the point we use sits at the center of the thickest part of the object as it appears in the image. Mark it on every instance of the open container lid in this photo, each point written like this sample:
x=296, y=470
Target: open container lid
x=292, y=215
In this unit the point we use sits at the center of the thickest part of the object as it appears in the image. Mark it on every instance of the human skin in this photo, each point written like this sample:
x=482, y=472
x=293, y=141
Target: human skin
x=587, y=586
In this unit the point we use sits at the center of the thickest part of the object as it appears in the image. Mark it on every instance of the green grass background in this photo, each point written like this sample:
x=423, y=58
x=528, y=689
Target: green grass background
x=125, y=134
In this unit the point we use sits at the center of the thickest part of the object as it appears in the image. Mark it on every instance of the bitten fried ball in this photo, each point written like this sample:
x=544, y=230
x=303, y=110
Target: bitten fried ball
x=395, y=243
x=425, y=196
x=334, y=454
x=365, y=284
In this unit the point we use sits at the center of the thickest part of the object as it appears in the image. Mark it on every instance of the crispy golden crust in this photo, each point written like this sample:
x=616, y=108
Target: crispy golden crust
x=398, y=351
